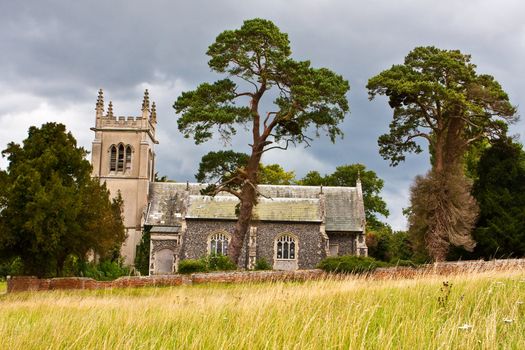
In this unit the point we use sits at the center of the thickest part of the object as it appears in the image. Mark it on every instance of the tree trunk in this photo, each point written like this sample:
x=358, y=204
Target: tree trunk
x=248, y=200
x=450, y=221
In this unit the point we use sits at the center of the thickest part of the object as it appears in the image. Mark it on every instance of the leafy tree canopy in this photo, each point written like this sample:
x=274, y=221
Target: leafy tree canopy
x=51, y=207
x=346, y=175
x=274, y=174
x=438, y=96
x=257, y=59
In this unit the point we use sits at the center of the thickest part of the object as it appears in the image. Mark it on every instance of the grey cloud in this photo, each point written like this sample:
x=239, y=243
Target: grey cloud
x=57, y=54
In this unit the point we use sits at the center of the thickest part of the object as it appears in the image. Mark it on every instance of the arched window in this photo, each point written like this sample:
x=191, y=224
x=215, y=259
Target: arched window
x=218, y=243
x=120, y=162
x=286, y=248
x=128, y=158
x=113, y=159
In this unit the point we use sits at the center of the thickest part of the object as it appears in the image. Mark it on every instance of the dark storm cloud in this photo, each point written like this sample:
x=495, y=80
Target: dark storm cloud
x=56, y=54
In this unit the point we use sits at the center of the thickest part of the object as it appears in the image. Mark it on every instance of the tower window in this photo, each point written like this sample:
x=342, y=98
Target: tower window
x=120, y=158
x=113, y=159
x=120, y=163
x=128, y=158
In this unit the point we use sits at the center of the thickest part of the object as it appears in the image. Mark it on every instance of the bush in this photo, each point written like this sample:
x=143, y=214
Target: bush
x=262, y=264
x=217, y=262
x=192, y=265
x=106, y=270
x=350, y=264
x=213, y=262
x=11, y=268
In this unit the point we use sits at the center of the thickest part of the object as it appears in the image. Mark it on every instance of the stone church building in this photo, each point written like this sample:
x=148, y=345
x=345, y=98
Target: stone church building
x=294, y=227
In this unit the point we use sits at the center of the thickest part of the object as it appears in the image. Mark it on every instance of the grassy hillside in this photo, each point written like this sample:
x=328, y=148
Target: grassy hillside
x=484, y=311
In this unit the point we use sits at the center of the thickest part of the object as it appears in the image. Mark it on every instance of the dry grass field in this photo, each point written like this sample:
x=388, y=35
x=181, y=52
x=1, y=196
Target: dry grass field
x=479, y=311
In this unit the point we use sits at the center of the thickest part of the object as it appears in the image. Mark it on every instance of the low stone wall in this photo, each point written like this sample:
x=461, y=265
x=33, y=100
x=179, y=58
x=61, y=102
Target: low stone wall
x=31, y=283
x=449, y=268
x=23, y=283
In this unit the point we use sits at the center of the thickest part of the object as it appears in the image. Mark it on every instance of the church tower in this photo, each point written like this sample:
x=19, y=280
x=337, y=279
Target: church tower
x=123, y=157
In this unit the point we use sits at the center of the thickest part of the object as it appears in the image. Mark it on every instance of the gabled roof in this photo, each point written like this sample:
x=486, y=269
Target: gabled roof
x=342, y=206
x=278, y=209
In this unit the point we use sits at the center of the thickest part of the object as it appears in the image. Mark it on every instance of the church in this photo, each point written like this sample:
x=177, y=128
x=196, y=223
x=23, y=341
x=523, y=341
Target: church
x=293, y=227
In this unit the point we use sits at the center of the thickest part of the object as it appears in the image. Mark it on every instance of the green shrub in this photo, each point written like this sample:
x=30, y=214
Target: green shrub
x=217, y=262
x=262, y=264
x=142, y=256
x=213, y=262
x=192, y=265
x=105, y=270
x=350, y=264
x=11, y=268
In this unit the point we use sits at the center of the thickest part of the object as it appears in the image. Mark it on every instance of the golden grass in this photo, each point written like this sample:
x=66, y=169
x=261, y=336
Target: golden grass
x=3, y=287
x=349, y=313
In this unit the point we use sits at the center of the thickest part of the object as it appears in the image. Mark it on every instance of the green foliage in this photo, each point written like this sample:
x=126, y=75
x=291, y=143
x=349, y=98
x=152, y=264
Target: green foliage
x=350, y=264
x=218, y=262
x=262, y=264
x=222, y=170
x=500, y=192
x=346, y=175
x=50, y=205
x=274, y=174
x=386, y=245
x=228, y=166
x=437, y=95
x=188, y=266
x=142, y=254
x=13, y=267
x=209, y=263
x=258, y=53
x=105, y=270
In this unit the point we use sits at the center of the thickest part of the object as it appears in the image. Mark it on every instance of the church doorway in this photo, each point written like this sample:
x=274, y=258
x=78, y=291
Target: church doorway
x=164, y=262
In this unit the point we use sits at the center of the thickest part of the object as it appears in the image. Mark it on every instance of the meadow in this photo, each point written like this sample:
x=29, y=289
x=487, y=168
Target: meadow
x=478, y=311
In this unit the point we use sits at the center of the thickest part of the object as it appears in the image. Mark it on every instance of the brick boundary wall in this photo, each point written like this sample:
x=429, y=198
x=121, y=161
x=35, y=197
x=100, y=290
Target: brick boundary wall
x=31, y=283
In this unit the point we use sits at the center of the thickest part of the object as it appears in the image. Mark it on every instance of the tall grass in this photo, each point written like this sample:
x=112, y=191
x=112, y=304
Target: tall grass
x=346, y=313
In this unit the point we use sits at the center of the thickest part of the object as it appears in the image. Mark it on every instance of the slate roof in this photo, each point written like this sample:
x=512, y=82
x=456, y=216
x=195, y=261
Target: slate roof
x=343, y=206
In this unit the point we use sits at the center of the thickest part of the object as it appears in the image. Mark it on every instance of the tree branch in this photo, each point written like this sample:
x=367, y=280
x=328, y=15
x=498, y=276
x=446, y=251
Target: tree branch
x=413, y=136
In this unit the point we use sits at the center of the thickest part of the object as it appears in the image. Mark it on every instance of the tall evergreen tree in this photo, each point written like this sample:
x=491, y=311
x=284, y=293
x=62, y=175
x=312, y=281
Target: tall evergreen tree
x=257, y=59
x=439, y=98
x=500, y=192
x=51, y=207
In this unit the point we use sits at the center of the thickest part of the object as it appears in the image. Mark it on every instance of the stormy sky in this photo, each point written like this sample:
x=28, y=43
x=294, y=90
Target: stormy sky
x=55, y=55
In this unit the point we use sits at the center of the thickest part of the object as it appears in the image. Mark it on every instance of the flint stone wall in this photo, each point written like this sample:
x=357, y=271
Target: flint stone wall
x=345, y=240
x=310, y=250
x=310, y=247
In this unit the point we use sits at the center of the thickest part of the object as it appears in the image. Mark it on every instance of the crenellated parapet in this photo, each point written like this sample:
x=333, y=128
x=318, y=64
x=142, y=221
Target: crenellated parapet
x=107, y=120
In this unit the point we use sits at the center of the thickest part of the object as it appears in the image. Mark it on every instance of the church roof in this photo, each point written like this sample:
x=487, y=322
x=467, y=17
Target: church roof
x=342, y=207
